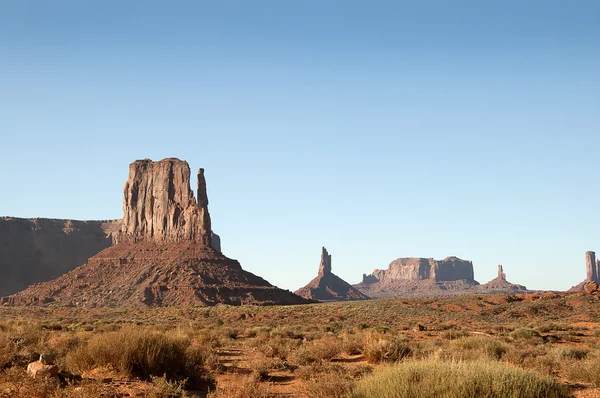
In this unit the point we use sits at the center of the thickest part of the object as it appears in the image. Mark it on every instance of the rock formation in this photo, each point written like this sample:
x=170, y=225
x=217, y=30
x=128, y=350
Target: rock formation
x=40, y=249
x=501, y=285
x=417, y=277
x=591, y=266
x=501, y=274
x=592, y=271
x=329, y=287
x=163, y=255
x=159, y=205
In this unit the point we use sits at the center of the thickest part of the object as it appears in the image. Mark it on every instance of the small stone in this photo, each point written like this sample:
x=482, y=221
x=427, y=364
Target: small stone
x=38, y=370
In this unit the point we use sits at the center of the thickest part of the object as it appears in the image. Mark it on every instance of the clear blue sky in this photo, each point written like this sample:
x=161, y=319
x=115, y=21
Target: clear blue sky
x=377, y=129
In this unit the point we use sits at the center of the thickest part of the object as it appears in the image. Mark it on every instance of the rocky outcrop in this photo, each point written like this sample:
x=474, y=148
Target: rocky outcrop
x=419, y=277
x=159, y=205
x=40, y=249
x=164, y=254
x=501, y=285
x=329, y=287
x=592, y=271
x=591, y=266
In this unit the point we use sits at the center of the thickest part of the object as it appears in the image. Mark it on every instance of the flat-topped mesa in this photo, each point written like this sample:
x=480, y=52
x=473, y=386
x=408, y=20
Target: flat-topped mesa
x=159, y=204
x=591, y=266
x=325, y=266
x=501, y=274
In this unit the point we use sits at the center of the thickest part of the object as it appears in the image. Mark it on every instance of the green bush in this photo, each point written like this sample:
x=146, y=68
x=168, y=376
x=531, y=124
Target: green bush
x=424, y=379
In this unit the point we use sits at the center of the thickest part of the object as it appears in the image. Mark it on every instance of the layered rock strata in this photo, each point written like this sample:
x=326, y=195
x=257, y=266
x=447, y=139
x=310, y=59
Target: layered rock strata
x=328, y=286
x=164, y=253
x=40, y=249
x=418, y=277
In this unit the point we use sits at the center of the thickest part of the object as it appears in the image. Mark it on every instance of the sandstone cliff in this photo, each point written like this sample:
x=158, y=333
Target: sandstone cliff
x=329, y=287
x=164, y=253
x=419, y=277
x=40, y=249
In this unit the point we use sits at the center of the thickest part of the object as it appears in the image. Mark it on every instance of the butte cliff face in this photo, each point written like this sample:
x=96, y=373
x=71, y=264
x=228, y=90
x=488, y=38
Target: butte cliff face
x=419, y=277
x=40, y=249
x=329, y=287
x=165, y=253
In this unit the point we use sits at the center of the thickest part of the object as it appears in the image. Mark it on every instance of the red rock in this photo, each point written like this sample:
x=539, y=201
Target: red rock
x=163, y=256
x=329, y=287
x=419, y=277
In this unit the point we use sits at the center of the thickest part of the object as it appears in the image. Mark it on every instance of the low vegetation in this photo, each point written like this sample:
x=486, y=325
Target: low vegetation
x=465, y=346
x=433, y=379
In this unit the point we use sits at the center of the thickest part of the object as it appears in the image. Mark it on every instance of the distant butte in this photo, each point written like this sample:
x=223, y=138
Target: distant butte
x=419, y=277
x=329, y=287
x=164, y=255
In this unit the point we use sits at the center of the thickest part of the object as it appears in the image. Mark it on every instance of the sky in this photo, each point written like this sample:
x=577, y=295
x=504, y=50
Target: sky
x=378, y=129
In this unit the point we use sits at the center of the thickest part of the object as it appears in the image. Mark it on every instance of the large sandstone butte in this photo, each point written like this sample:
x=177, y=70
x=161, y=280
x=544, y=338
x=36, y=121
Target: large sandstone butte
x=592, y=270
x=40, y=249
x=501, y=285
x=329, y=287
x=419, y=277
x=163, y=255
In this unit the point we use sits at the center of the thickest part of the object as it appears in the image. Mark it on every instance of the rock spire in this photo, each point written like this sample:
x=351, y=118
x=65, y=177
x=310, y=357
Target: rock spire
x=591, y=266
x=325, y=266
x=501, y=274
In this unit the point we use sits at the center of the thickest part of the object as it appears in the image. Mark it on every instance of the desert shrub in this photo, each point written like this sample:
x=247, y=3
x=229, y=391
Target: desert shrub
x=549, y=326
x=245, y=387
x=456, y=380
x=328, y=385
x=352, y=344
x=586, y=370
x=164, y=388
x=141, y=352
x=212, y=337
x=569, y=353
x=17, y=384
x=475, y=347
x=326, y=348
x=385, y=348
x=277, y=347
x=262, y=365
x=303, y=356
x=452, y=334
x=524, y=333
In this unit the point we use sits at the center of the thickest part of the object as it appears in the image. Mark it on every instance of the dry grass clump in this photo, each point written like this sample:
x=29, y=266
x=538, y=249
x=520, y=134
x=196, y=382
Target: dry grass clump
x=17, y=384
x=245, y=387
x=385, y=347
x=586, y=370
x=142, y=352
x=528, y=334
x=352, y=343
x=329, y=385
x=456, y=380
x=475, y=347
